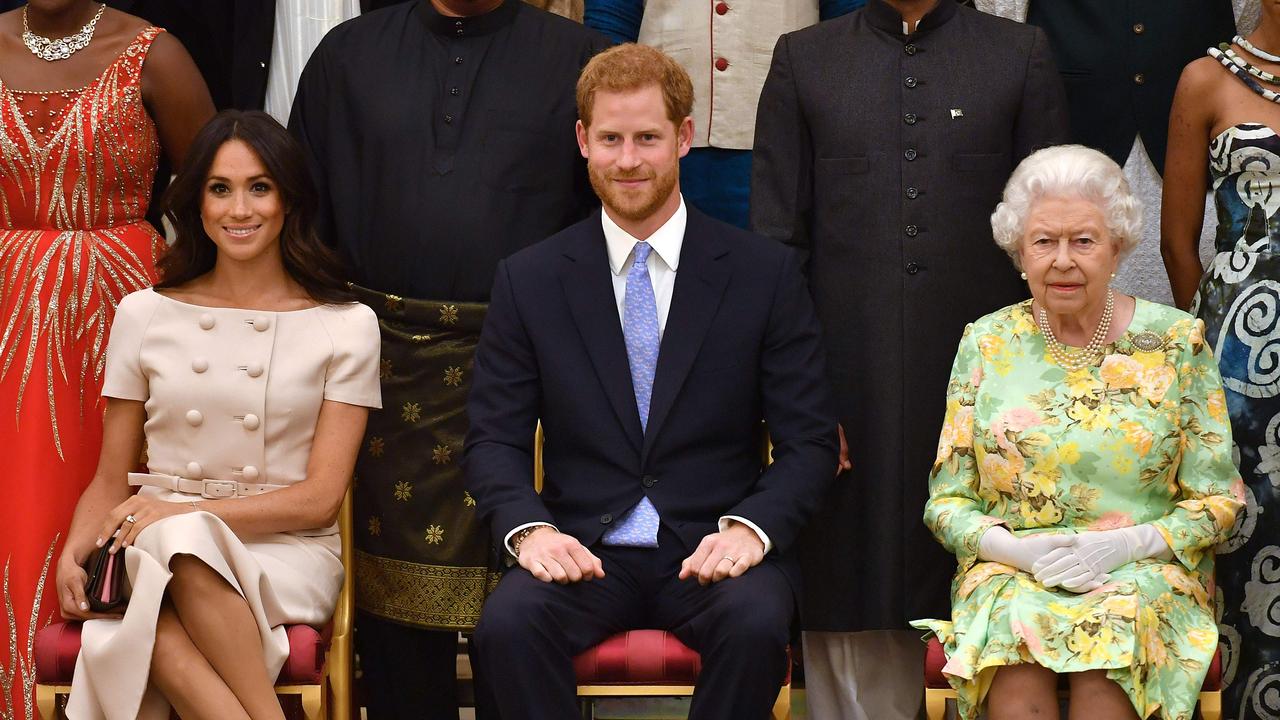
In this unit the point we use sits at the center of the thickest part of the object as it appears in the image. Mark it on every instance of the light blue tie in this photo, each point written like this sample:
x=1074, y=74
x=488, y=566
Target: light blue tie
x=639, y=527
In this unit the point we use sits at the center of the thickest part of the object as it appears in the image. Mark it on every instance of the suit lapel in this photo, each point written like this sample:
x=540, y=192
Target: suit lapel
x=700, y=283
x=589, y=291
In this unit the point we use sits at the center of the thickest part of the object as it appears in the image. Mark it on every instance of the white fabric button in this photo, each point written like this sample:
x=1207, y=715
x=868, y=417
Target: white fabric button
x=194, y=470
x=250, y=473
x=206, y=321
x=199, y=365
x=262, y=323
x=194, y=418
x=251, y=422
x=254, y=369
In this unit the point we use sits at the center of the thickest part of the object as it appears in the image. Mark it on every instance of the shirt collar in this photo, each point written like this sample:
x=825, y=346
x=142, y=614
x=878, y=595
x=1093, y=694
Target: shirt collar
x=881, y=15
x=461, y=27
x=666, y=241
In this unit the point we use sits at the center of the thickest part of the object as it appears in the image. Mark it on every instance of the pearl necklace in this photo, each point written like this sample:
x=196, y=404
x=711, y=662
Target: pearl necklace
x=51, y=49
x=1072, y=359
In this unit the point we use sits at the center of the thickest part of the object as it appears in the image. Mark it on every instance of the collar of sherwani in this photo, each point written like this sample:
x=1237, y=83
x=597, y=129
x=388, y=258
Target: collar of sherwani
x=460, y=27
x=882, y=16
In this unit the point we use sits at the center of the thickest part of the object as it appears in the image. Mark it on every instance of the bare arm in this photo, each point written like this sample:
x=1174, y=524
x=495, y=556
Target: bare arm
x=175, y=95
x=1186, y=179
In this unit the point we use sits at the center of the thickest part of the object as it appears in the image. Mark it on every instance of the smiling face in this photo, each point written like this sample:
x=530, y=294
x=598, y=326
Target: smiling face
x=633, y=153
x=241, y=209
x=1068, y=255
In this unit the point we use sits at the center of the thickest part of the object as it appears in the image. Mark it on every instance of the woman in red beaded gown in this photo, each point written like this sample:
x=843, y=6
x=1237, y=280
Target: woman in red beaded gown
x=82, y=124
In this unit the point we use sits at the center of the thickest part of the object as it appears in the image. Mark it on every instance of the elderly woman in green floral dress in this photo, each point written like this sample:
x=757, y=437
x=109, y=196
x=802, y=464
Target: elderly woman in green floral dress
x=1084, y=471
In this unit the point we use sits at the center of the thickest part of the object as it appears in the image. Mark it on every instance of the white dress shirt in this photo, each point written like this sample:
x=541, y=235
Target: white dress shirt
x=663, y=263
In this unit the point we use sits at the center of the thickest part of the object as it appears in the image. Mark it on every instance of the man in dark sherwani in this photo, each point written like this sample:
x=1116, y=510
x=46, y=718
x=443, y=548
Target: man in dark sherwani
x=883, y=141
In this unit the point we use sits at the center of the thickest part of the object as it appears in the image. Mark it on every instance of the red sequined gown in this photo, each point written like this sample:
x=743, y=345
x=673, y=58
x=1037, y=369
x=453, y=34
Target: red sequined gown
x=76, y=169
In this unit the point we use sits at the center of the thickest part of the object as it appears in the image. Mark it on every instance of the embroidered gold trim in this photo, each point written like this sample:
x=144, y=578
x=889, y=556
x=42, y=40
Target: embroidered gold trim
x=429, y=596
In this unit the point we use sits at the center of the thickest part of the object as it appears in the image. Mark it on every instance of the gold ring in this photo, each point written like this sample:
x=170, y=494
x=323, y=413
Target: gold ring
x=726, y=557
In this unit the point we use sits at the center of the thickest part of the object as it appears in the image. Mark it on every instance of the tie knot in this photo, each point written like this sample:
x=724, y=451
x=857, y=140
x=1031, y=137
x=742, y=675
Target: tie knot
x=642, y=252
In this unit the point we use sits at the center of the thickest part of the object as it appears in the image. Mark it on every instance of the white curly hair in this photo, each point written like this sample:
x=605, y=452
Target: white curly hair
x=1068, y=171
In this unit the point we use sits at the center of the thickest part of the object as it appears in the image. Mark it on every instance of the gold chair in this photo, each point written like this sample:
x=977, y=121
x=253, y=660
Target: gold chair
x=328, y=697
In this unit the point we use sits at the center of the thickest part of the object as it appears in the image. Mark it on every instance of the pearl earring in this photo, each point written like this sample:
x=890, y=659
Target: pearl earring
x=1113, y=276
x=1024, y=276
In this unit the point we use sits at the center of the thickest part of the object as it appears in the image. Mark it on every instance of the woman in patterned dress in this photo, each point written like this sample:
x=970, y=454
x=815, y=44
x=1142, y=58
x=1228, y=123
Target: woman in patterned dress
x=79, y=140
x=1227, y=110
x=1083, y=473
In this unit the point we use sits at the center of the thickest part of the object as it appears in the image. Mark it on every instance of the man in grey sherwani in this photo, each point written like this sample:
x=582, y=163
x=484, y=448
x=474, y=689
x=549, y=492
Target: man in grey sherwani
x=883, y=141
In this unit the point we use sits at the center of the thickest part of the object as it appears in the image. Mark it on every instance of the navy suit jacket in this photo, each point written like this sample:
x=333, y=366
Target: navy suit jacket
x=742, y=344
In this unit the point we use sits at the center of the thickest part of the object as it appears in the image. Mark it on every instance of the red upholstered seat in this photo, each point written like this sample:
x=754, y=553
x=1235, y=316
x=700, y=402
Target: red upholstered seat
x=643, y=657
x=57, y=646
x=639, y=657
x=935, y=658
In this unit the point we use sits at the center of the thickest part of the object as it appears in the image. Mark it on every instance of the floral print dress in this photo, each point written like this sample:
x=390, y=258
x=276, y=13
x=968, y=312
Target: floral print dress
x=1142, y=438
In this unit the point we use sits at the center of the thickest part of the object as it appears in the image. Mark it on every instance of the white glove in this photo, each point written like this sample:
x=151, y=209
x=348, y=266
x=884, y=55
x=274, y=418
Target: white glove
x=1086, y=564
x=1000, y=545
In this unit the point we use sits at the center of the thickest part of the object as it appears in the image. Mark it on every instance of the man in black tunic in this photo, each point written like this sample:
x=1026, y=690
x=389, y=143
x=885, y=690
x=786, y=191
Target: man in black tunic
x=442, y=137
x=883, y=141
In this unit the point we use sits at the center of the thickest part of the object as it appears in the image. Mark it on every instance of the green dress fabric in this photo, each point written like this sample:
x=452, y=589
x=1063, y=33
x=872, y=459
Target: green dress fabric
x=1143, y=437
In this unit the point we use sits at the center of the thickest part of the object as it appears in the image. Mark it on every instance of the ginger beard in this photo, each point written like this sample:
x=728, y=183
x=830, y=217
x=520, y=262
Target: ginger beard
x=634, y=204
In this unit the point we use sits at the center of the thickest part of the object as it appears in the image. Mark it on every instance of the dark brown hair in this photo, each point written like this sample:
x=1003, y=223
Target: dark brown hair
x=628, y=67
x=312, y=264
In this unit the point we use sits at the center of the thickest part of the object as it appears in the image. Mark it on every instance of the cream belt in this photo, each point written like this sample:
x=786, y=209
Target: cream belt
x=204, y=488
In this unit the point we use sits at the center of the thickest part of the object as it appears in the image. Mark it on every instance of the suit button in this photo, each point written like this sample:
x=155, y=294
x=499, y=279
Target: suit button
x=722, y=64
x=454, y=91
x=910, y=154
x=206, y=321
x=251, y=422
x=194, y=470
x=912, y=231
x=722, y=8
x=1139, y=28
x=649, y=481
x=262, y=323
x=605, y=519
x=910, y=118
x=199, y=365
x=1139, y=78
x=448, y=119
x=912, y=268
x=910, y=81
x=909, y=48
x=253, y=369
x=249, y=473
x=913, y=193
x=194, y=418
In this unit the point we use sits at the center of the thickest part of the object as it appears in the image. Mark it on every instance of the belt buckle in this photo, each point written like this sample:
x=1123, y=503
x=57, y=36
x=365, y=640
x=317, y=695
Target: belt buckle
x=218, y=489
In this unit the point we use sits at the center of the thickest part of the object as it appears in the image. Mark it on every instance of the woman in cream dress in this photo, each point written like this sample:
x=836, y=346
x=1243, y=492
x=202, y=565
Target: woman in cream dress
x=250, y=379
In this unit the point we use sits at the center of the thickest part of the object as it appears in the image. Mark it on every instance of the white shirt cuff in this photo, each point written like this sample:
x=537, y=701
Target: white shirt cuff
x=506, y=541
x=724, y=524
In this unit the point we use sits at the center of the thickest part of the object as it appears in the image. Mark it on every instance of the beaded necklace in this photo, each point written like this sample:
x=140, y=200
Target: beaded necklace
x=1072, y=359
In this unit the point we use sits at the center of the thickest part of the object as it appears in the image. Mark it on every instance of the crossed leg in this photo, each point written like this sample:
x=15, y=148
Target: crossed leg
x=204, y=660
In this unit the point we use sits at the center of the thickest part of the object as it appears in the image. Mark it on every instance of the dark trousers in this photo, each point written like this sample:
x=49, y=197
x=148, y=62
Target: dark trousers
x=530, y=631
x=407, y=673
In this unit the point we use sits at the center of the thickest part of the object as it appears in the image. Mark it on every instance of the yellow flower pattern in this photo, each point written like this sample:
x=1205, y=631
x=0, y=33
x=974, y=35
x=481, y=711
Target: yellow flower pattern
x=1141, y=438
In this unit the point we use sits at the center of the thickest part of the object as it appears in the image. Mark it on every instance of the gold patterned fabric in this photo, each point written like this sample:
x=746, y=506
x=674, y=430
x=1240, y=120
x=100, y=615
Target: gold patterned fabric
x=422, y=553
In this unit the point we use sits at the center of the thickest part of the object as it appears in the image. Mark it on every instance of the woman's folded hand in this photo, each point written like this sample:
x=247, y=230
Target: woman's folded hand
x=1000, y=545
x=1087, y=562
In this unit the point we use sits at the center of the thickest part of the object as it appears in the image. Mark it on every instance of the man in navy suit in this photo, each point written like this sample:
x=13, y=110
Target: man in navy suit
x=651, y=341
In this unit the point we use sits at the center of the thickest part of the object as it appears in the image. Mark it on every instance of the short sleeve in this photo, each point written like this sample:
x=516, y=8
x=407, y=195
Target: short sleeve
x=352, y=377
x=124, y=378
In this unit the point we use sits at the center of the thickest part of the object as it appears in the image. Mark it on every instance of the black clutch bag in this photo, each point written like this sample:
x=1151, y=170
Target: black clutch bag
x=105, y=587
